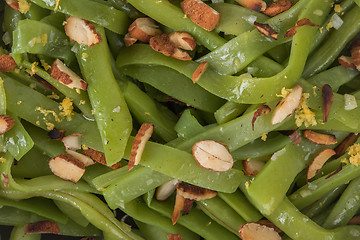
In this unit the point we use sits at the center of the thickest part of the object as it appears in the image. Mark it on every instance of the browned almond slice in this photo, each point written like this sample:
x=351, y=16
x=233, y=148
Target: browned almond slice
x=293, y=135
x=13, y=3
x=7, y=63
x=263, y=109
x=346, y=62
x=6, y=123
x=287, y=105
x=319, y=138
x=81, y=31
x=252, y=167
x=269, y=224
x=201, y=14
x=72, y=141
x=165, y=190
x=66, y=76
x=42, y=227
x=67, y=167
x=139, y=143
x=192, y=192
x=143, y=29
x=181, y=55
x=161, y=43
x=128, y=40
x=179, y=206
x=187, y=206
x=327, y=99
x=345, y=144
x=278, y=7
x=355, y=53
x=319, y=161
x=302, y=22
x=174, y=237
x=212, y=155
x=56, y=134
x=256, y=231
x=87, y=161
x=182, y=40
x=354, y=221
x=199, y=71
x=256, y=5
x=266, y=30
x=99, y=157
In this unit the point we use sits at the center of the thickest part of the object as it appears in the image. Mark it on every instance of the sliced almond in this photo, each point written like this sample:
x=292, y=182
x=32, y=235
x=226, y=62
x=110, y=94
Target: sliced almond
x=81, y=31
x=182, y=40
x=72, y=141
x=319, y=138
x=255, y=5
x=139, y=143
x=192, y=192
x=263, y=109
x=161, y=43
x=327, y=99
x=256, y=231
x=355, y=53
x=7, y=63
x=266, y=30
x=212, y=155
x=269, y=224
x=199, y=71
x=293, y=135
x=42, y=227
x=302, y=22
x=67, y=167
x=201, y=14
x=354, y=221
x=56, y=134
x=128, y=40
x=346, y=62
x=187, y=206
x=181, y=55
x=278, y=7
x=252, y=167
x=13, y=3
x=345, y=144
x=165, y=190
x=179, y=206
x=143, y=29
x=319, y=161
x=6, y=123
x=174, y=237
x=287, y=105
x=99, y=157
x=66, y=76
x=87, y=161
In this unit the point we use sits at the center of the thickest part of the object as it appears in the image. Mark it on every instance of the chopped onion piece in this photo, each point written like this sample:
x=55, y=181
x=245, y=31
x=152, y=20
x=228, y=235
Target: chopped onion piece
x=350, y=102
x=336, y=21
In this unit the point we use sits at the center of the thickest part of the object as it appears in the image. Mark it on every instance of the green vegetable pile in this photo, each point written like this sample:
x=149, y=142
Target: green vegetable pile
x=232, y=102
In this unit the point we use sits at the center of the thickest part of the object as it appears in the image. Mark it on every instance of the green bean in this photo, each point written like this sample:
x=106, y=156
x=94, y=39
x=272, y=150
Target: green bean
x=36, y=13
x=125, y=7
x=115, y=42
x=151, y=232
x=101, y=14
x=188, y=126
x=104, y=180
x=229, y=111
x=18, y=233
x=2, y=108
x=56, y=19
x=71, y=228
x=11, y=19
x=73, y=213
x=280, y=52
x=10, y=216
x=112, y=116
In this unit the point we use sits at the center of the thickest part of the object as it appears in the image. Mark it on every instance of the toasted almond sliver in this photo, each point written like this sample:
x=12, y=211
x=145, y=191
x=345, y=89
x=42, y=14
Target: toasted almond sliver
x=165, y=190
x=192, y=192
x=327, y=99
x=13, y=3
x=187, y=206
x=319, y=138
x=269, y=224
x=139, y=143
x=263, y=109
x=42, y=227
x=354, y=221
x=128, y=40
x=345, y=144
x=72, y=141
x=293, y=135
x=67, y=167
x=301, y=22
x=355, y=53
x=87, y=161
x=346, y=62
x=99, y=157
x=255, y=5
x=266, y=30
x=256, y=231
x=56, y=134
x=7, y=63
x=6, y=123
x=66, y=76
x=182, y=40
x=174, y=237
x=81, y=31
x=319, y=161
x=278, y=7
x=161, y=43
x=287, y=105
x=199, y=71
x=179, y=206
x=252, y=167
x=143, y=29
x=212, y=155
x=181, y=55
x=201, y=14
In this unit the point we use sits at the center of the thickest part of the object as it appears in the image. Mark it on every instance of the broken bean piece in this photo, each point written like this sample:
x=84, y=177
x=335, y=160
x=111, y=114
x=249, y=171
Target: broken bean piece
x=266, y=30
x=143, y=29
x=81, y=31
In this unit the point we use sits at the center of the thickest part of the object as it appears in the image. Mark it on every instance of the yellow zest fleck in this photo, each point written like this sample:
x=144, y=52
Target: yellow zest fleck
x=17, y=70
x=24, y=6
x=84, y=147
x=338, y=8
x=284, y=92
x=303, y=114
x=2, y=160
x=82, y=102
x=264, y=137
x=33, y=69
x=314, y=90
x=37, y=123
x=67, y=108
x=57, y=2
x=1, y=81
x=321, y=29
x=84, y=55
x=64, y=23
x=45, y=65
x=147, y=113
x=47, y=112
x=329, y=25
x=19, y=102
x=77, y=91
x=34, y=41
x=354, y=152
x=247, y=185
x=344, y=160
x=53, y=96
x=44, y=39
x=49, y=126
x=93, y=111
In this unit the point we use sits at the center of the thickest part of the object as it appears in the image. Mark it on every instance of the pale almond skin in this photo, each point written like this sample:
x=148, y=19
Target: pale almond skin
x=318, y=138
x=66, y=76
x=199, y=71
x=319, y=161
x=143, y=29
x=67, y=167
x=182, y=40
x=192, y=192
x=201, y=14
x=128, y=40
x=81, y=31
x=256, y=231
x=42, y=227
x=72, y=141
x=255, y=5
x=87, y=161
x=7, y=63
x=6, y=123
